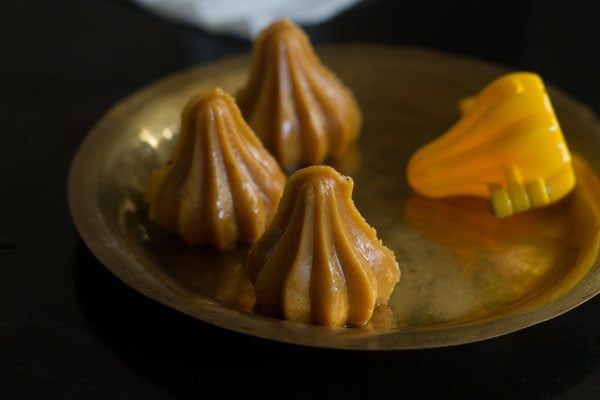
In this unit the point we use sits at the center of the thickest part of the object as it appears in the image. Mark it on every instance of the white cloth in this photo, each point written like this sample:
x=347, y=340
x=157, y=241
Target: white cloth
x=245, y=18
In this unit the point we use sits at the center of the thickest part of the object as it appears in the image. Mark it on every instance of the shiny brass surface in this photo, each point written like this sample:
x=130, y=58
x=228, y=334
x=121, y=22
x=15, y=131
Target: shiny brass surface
x=466, y=276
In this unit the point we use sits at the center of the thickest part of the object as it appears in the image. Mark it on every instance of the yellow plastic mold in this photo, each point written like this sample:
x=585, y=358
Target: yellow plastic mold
x=508, y=147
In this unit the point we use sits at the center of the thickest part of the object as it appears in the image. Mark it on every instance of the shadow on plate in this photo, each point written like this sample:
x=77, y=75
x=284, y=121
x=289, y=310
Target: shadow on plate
x=187, y=357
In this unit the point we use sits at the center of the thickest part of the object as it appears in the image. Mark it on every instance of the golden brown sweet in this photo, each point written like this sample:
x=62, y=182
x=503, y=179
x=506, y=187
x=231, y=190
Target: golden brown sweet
x=298, y=108
x=221, y=185
x=319, y=261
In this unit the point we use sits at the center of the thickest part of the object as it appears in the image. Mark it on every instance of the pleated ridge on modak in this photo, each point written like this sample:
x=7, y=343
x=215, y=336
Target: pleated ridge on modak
x=221, y=186
x=299, y=108
x=319, y=261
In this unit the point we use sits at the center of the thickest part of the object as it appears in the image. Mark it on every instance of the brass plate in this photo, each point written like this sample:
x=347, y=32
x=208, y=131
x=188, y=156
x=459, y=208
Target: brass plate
x=466, y=276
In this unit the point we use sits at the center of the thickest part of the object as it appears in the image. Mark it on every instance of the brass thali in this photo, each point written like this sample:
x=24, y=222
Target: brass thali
x=466, y=276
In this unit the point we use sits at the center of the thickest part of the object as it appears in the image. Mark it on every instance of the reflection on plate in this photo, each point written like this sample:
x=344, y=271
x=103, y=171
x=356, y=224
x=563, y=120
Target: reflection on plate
x=466, y=276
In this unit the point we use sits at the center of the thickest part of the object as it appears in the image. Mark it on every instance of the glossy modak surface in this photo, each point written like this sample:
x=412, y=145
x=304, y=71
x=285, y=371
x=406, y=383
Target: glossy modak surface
x=319, y=261
x=221, y=186
x=299, y=109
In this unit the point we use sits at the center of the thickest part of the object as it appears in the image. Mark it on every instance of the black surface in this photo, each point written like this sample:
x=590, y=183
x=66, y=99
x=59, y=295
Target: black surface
x=69, y=329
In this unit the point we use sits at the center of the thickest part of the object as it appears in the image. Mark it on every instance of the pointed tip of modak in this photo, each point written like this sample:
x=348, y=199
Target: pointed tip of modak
x=207, y=98
x=319, y=173
x=282, y=23
x=281, y=27
x=215, y=94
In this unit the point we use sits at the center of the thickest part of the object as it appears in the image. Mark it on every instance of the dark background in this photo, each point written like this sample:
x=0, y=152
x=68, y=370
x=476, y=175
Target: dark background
x=69, y=329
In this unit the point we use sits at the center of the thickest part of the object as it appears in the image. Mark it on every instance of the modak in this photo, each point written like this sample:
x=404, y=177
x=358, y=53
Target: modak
x=319, y=261
x=221, y=186
x=299, y=109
